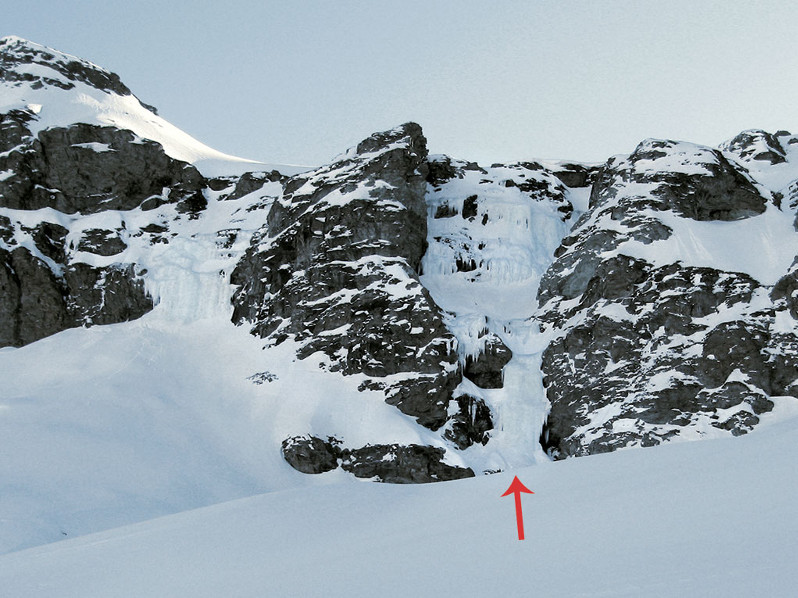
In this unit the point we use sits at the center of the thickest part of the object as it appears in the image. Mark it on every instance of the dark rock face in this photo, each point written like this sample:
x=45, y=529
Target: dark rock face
x=644, y=353
x=785, y=291
x=576, y=175
x=36, y=302
x=49, y=238
x=32, y=304
x=309, y=454
x=391, y=463
x=252, y=181
x=396, y=464
x=85, y=168
x=471, y=424
x=485, y=369
x=102, y=242
x=41, y=289
x=642, y=367
x=105, y=295
x=335, y=270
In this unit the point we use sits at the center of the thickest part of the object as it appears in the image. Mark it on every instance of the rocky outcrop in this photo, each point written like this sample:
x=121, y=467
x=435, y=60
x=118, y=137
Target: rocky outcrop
x=653, y=358
x=397, y=464
x=485, y=369
x=36, y=301
x=81, y=169
x=310, y=454
x=645, y=352
x=574, y=175
x=56, y=177
x=391, y=463
x=335, y=270
x=690, y=181
x=694, y=181
x=102, y=242
x=757, y=145
x=86, y=168
x=471, y=423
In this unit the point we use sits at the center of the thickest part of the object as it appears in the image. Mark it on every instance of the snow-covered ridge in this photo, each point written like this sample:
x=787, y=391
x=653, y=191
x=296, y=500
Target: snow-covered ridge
x=59, y=90
x=23, y=62
x=657, y=166
x=771, y=159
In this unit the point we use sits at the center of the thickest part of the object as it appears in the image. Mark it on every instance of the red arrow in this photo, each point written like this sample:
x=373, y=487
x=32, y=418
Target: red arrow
x=516, y=487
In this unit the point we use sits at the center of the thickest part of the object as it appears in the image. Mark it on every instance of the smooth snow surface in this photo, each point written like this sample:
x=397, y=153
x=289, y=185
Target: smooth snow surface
x=762, y=246
x=704, y=519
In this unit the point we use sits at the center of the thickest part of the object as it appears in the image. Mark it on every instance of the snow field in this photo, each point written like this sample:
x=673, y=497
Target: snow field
x=690, y=519
x=179, y=409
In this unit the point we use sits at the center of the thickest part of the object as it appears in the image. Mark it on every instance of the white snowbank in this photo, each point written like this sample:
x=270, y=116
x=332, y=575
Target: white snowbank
x=710, y=519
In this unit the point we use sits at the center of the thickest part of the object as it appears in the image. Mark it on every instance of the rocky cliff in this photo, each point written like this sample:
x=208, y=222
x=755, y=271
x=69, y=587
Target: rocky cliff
x=668, y=302
x=422, y=317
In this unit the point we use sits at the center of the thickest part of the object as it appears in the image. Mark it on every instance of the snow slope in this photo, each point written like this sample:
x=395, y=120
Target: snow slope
x=58, y=100
x=693, y=519
x=179, y=409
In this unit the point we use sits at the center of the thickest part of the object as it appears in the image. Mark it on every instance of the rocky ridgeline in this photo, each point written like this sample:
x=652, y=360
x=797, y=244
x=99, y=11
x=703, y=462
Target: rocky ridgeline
x=645, y=347
x=34, y=66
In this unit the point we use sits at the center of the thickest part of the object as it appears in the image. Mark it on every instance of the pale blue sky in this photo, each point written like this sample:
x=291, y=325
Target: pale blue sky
x=300, y=81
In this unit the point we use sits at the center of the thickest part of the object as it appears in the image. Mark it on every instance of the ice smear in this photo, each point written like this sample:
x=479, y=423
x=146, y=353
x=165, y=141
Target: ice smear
x=485, y=271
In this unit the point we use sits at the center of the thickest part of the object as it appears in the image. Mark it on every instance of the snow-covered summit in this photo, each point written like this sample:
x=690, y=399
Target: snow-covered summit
x=756, y=144
x=771, y=158
x=55, y=89
x=25, y=63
